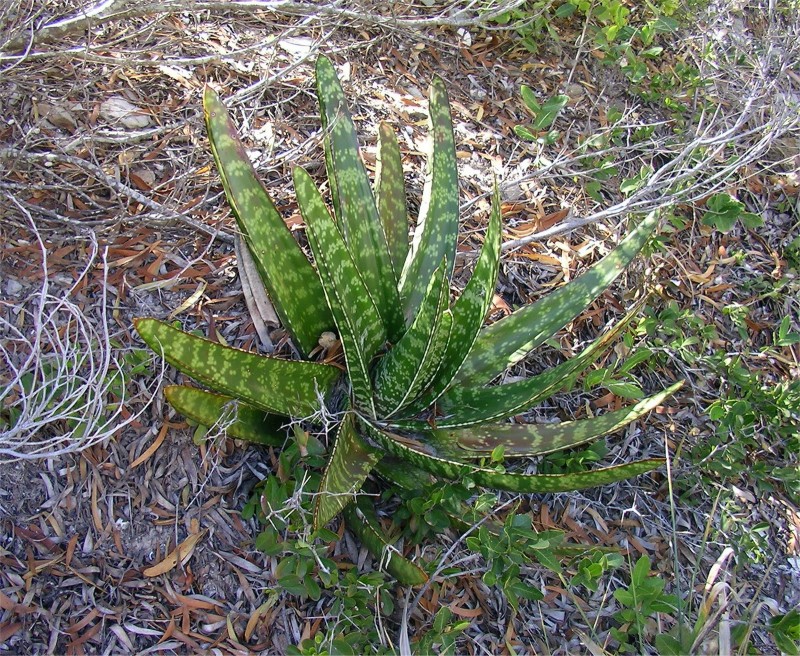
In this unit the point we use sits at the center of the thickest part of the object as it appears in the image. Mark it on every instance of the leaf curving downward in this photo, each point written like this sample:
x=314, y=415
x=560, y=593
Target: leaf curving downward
x=350, y=463
x=239, y=420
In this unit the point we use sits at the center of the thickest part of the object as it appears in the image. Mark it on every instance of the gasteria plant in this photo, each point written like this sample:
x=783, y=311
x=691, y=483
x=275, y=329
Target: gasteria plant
x=414, y=399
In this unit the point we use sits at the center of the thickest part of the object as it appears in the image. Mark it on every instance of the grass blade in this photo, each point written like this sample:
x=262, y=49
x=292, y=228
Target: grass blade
x=507, y=341
x=290, y=280
x=285, y=387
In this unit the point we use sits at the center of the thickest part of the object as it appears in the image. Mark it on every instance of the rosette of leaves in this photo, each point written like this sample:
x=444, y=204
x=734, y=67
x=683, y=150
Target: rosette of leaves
x=412, y=396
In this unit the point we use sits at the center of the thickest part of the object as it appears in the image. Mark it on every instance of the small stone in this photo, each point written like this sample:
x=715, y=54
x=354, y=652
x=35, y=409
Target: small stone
x=13, y=288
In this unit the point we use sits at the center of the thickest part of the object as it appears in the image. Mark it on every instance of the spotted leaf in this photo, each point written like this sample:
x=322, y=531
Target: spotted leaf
x=539, y=439
x=361, y=520
x=507, y=341
x=357, y=318
x=400, y=374
x=437, y=226
x=239, y=420
x=350, y=463
x=290, y=280
x=469, y=311
x=390, y=193
x=285, y=387
x=354, y=202
x=423, y=455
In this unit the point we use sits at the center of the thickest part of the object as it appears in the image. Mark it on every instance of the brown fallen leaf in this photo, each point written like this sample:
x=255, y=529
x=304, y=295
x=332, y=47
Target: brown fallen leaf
x=182, y=553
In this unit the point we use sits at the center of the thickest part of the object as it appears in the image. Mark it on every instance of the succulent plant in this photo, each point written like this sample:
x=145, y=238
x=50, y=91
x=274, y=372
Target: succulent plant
x=413, y=396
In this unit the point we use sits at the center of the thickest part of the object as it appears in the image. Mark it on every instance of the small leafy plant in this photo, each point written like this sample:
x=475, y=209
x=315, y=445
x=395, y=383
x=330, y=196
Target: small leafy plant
x=543, y=116
x=722, y=211
x=410, y=398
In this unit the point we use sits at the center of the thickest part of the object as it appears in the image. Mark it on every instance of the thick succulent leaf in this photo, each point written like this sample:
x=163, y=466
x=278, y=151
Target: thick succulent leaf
x=361, y=520
x=468, y=406
x=349, y=464
x=539, y=439
x=390, y=192
x=507, y=341
x=291, y=282
x=357, y=318
x=354, y=202
x=285, y=387
x=469, y=310
x=437, y=226
x=424, y=456
x=239, y=420
x=409, y=477
x=399, y=374
x=402, y=473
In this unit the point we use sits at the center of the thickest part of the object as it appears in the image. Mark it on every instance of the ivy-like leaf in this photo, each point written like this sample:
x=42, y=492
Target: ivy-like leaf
x=506, y=342
x=285, y=387
x=437, y=226
x=290, y=280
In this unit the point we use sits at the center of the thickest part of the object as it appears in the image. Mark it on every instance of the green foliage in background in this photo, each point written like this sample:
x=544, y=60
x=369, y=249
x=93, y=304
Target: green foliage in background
x=412, y=398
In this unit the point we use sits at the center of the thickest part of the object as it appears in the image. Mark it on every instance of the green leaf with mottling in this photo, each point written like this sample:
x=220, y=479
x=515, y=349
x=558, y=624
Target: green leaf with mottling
x=361, y=520
x=291, y=282
x=468, y=406
x=349, y=464
x=400, y=374
x=437, y=226
x=390, y=193
x=354, y=202
x=285, y=387
x=425, y=457
x=239, y=420
x=402, y=473
x=506, y=342
x=469, y=310
x=357, y=318
x=538, y=439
